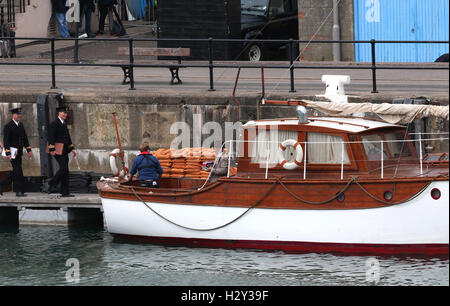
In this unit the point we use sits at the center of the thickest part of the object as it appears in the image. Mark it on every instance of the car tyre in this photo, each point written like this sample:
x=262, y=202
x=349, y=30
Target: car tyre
x=255, y=53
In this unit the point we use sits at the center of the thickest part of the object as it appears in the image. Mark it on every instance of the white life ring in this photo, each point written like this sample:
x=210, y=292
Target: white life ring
x=113, y=165
x=298, y=154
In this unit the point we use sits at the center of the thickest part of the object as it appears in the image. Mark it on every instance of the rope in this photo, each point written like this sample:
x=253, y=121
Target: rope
x=353, y=179
x=392, y=203
x=277, y=180
x=213, y=228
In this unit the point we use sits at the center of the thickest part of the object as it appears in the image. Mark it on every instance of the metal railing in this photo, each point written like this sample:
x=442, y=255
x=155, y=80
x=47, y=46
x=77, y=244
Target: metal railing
x=235, y=153
x=11, y=5
x=211, y=65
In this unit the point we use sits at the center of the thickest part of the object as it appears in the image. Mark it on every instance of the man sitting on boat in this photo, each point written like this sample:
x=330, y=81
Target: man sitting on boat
x=148, y=166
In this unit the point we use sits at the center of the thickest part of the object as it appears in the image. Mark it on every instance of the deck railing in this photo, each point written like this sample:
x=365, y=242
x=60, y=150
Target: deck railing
x=234, y=152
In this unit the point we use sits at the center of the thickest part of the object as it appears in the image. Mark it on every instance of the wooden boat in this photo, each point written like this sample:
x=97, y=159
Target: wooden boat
x=318, y=184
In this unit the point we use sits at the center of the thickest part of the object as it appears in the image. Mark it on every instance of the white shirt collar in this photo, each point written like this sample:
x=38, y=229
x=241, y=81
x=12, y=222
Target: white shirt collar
x=62, y=121
x=16, y=122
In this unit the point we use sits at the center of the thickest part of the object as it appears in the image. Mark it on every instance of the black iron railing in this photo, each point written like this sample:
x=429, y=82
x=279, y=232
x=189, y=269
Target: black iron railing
x=8, y=10
x=211, y=65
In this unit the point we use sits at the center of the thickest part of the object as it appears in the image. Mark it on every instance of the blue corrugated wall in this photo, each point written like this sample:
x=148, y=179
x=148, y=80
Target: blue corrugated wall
x=401, y=20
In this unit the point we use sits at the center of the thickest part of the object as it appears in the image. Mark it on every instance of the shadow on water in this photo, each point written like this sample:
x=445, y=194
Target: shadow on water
x=9, y=229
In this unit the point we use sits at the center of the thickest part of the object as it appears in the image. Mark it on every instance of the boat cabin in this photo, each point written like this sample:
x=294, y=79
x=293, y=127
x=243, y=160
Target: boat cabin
x=326, y=145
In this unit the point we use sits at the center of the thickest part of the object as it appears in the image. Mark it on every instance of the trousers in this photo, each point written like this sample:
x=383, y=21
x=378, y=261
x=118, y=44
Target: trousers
x=62, y=24
x=62, y=175
x=16, y=176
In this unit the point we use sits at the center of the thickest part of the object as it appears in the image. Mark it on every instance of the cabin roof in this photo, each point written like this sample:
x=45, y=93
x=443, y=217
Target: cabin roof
x=346, y=124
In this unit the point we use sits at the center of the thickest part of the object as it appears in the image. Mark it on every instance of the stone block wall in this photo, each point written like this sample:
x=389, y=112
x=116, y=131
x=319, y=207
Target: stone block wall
x=316, y=22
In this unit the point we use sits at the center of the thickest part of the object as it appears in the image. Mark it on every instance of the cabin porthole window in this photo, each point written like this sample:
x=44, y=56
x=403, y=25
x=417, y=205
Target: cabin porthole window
x=387, y=195
x=435, y=193
x=341, y=197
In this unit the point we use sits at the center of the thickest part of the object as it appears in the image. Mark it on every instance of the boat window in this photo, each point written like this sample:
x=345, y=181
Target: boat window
x=392, y=141
x=372, y=146
x=268, y=142
x=397, y=146
x=325, y=149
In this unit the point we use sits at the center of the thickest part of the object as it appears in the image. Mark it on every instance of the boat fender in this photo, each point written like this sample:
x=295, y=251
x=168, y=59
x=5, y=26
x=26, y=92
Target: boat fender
x=113, y=165
x=298, y=154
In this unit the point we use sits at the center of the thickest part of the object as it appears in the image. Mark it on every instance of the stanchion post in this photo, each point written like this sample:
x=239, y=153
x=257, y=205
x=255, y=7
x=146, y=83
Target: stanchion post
x=374, y=67
x=131, y=67
x=76, y=60
x=52, y=44
x=211, y=65
x=291, y=63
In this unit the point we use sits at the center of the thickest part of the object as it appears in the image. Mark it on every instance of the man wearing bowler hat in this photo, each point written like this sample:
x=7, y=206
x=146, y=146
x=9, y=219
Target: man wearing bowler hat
x=59, y=146
x=15, y=140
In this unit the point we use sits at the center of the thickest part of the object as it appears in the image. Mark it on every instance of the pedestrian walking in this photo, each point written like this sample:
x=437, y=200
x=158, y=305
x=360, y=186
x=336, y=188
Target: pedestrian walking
x=15, y=140
x=60, y=8
x=87, y=7
x=59, y=146
x=104, y=6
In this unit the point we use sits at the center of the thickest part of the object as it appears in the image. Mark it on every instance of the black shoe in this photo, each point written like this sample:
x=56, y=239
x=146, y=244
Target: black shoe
x=68, y=195
x=20, y=194
x=46, y=187
x=91, y=35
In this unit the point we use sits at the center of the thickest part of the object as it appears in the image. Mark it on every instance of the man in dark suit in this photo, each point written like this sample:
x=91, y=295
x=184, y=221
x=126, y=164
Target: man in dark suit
x=15, y=140
x=104, y=6
x=59, y=134
x=87, y=7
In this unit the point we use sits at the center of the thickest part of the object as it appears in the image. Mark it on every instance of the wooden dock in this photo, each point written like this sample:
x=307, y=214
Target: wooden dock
x=83, y=209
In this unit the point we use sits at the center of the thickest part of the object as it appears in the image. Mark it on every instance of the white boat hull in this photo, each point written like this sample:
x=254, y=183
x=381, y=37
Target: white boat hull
x=420, y=225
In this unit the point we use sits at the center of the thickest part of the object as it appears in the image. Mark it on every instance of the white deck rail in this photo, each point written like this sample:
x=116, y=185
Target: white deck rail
x=382, y=143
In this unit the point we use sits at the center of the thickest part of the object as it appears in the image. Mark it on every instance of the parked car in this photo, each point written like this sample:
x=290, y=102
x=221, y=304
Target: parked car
x=268, y=19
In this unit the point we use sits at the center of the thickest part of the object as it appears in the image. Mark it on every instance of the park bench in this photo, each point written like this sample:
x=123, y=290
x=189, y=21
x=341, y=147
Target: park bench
x=169, y=52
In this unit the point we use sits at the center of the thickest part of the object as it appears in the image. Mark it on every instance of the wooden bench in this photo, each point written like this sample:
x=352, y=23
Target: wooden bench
x=170, y=52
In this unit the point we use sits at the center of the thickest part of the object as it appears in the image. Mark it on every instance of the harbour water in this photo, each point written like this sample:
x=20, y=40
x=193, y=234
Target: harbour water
x=48, y=255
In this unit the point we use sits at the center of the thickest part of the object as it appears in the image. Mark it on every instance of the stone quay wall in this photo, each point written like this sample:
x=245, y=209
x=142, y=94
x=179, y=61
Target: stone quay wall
x=142, y=117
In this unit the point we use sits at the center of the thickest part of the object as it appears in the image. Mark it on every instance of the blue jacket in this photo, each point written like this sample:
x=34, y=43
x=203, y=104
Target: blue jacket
x=148, y=167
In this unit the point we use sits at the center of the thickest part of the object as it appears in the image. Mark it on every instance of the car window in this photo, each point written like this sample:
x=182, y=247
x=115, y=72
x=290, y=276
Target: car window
x=254, y=7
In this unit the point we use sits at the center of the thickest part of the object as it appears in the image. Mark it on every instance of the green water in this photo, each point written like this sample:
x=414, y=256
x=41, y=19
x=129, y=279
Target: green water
x=44, y=255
